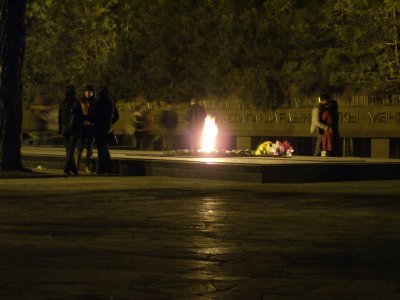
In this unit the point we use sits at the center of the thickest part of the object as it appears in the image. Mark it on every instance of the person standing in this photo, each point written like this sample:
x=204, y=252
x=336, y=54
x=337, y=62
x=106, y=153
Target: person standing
x=330, y=139
x=51, y=117
x=317, y=126
x=70, y=123
x=168, y=122
x=39, y=113
x=138, y=124
x=195, y=118
x=142, y=127
x=87, y=135
x=102, y=117
x=336, y=144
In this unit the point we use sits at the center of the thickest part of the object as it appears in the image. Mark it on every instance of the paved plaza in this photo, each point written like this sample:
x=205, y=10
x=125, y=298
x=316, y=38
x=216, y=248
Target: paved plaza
x=120, y=237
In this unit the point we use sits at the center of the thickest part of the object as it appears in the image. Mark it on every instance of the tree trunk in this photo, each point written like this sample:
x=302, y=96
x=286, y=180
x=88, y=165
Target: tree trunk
x=12, y=54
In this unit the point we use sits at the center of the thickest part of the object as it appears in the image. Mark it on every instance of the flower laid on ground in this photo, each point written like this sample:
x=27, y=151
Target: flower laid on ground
x=267, y=148
x=282, y=149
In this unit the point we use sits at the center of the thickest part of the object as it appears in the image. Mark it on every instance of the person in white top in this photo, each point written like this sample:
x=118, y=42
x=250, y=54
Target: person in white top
x=317, y=127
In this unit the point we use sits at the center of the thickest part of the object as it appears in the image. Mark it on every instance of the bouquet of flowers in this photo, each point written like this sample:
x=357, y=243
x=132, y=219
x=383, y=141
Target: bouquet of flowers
x=280, y=149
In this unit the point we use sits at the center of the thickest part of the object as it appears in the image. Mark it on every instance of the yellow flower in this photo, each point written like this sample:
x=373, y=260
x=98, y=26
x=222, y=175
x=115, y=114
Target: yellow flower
x=264, y=148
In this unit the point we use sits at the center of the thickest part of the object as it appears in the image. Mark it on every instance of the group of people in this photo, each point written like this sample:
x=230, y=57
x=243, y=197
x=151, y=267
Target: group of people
x=325, y=124
x=138, y=126
x=84, y=121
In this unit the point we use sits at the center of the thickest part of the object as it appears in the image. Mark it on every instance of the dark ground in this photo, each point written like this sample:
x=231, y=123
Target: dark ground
x=99, y=237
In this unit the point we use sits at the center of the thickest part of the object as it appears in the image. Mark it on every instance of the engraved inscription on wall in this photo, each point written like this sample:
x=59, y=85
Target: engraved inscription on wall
x=358, y=116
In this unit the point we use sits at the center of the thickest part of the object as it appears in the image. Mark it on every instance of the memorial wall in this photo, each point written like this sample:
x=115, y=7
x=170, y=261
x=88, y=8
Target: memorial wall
x=359, y=116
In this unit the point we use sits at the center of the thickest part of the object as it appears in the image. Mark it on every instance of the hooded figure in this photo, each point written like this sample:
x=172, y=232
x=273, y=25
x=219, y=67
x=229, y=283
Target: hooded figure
x=103, y=115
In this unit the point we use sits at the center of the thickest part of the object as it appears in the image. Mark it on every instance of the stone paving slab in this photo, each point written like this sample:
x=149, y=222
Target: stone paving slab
x=118, y=237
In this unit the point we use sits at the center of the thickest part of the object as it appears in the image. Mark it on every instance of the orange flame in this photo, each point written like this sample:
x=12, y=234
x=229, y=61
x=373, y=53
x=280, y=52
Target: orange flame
x=209, y=136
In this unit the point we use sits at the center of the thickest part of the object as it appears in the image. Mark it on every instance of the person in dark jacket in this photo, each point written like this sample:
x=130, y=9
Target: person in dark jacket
x=168, y=122
x=195, y=118
x=103, y=115
x=87, y=137
x=70, y=123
